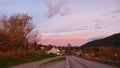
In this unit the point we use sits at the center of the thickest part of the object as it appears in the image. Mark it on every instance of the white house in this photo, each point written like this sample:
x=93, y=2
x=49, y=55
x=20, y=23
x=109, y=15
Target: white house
x=54, y=51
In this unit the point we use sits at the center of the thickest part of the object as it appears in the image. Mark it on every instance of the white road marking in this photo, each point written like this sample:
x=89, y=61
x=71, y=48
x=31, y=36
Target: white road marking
x=68, y=66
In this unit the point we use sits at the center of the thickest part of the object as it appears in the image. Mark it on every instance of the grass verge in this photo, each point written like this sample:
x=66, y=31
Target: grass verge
x=5, y=62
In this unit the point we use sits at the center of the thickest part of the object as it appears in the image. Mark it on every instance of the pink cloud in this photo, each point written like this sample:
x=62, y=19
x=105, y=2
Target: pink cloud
x=63, y=40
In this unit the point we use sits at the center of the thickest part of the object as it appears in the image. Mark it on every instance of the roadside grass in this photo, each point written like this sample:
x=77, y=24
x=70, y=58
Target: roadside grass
x=55, y=60
x=5, y=62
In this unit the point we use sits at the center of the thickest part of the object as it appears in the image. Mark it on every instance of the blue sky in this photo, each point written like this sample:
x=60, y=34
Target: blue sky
x=76, y=21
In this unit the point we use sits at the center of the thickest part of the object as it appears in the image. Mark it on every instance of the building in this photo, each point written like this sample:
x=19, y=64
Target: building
x=54, y=51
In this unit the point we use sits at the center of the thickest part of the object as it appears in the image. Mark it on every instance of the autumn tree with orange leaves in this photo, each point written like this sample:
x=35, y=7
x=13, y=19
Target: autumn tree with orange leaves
x=15, y=30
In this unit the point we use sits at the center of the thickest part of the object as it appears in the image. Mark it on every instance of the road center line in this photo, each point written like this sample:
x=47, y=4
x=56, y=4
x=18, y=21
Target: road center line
x=67, y=62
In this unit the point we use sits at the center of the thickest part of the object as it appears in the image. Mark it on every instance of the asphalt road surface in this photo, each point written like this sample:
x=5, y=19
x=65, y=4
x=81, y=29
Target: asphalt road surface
x=35, y=64
x=75, y=62
x=61, y=64
x=71, y=62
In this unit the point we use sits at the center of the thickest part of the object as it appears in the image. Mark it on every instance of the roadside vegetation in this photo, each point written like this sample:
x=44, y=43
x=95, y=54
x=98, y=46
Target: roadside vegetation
x=9, y=61
x=18, y=41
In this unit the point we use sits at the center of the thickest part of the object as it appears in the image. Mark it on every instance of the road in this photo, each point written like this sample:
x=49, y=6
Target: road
x=71, y=62
x=75, y=62
x=61, y=64
x=35, y=64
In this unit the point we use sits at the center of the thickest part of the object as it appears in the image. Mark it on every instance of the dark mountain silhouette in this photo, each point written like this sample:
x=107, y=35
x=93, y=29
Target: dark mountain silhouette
x=113, y=40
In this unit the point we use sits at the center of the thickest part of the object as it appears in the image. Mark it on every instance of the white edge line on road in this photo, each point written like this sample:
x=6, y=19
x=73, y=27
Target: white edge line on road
x=67, y=62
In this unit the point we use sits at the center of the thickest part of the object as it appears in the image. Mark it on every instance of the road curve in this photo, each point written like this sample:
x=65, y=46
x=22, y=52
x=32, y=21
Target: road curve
x=35, y=64
x=75, y=62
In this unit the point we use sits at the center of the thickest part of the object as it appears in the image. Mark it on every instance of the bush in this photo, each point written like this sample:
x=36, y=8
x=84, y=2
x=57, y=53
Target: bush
x=16, y=53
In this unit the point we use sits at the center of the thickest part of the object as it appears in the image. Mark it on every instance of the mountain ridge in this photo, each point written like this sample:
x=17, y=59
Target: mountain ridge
x=112, y=40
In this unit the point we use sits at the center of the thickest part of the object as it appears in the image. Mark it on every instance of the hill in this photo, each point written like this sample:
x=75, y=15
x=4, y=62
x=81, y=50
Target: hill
x=113, y=40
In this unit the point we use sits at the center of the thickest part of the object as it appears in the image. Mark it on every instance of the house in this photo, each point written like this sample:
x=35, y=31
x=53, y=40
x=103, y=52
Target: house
x=88, y=52
x=54, y=51
x=78, y=53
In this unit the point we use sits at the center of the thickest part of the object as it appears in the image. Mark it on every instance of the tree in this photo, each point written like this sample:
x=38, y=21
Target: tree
x=3, y=38
x=69, y=49
x=17, y=28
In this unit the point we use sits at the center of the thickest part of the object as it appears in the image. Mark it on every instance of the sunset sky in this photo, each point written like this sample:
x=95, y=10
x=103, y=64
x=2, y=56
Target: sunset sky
x=60, y=22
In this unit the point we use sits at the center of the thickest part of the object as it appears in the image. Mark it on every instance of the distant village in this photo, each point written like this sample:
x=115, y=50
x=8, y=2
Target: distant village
x=85, y=52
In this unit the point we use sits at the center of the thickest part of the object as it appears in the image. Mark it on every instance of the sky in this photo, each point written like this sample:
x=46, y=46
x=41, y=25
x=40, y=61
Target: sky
x=60, y=22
